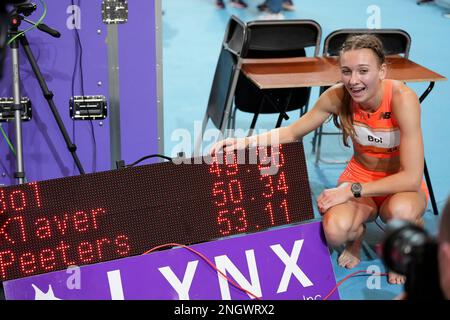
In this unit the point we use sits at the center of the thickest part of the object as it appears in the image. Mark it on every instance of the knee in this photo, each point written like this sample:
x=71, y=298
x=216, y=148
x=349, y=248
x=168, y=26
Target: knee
x=400, y=210
x=336, y=229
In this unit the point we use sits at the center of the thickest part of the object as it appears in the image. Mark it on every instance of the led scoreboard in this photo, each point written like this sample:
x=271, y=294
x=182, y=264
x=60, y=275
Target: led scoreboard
x=50, y=225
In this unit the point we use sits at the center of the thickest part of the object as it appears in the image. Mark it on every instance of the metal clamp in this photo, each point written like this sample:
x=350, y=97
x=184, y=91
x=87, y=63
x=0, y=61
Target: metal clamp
x=114, y=11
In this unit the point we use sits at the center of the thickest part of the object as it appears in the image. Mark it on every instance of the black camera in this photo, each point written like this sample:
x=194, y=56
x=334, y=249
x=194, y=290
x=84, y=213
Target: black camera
x=15, y=3
x=4, y=21
x=410, y=251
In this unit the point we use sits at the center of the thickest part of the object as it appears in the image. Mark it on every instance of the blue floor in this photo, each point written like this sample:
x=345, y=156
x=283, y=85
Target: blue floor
x=192, y=34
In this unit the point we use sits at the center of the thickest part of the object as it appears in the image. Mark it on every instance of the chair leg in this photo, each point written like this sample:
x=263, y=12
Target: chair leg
x=253, y=125
x=286, y=104
x=255, y=117
x=316, y=131
x=279, y=121
x=230, y=127
x=314, y=141
x=319, y=144
x=233, y=123
x=199, y=141
x=320, y=134
x=304, y=110
x=283, y=110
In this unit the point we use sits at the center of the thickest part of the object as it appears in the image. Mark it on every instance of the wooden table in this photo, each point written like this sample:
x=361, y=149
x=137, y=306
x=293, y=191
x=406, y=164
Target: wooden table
x=325, y=71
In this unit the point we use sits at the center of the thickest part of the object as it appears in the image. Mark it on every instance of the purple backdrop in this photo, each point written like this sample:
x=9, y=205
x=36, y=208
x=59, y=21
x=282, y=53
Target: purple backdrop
x=296, y=256
x=45, y=153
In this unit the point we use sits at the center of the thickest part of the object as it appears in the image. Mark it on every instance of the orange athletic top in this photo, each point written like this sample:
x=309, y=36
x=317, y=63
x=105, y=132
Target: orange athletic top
x=377, y=133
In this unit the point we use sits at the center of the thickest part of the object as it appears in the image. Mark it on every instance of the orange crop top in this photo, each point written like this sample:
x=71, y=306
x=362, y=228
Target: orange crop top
x=377, y=133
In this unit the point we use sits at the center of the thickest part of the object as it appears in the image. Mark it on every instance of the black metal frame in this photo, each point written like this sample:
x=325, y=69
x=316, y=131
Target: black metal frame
x=256, y=47
x=237, y=41
x=232, y=44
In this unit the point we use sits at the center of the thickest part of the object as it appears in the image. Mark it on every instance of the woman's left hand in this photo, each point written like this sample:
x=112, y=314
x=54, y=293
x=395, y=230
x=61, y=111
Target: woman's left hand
x=332, y=197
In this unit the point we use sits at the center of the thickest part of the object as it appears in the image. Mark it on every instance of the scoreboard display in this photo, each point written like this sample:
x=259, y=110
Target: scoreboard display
x=50, y=225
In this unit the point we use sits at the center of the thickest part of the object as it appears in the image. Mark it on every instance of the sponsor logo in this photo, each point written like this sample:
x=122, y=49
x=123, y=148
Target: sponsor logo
x=385, y=115
x=374, y=139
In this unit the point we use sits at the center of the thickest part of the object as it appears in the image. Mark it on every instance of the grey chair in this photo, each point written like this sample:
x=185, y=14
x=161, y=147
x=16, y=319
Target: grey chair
x=275, y=39
x=225, y=79
x=257, y=40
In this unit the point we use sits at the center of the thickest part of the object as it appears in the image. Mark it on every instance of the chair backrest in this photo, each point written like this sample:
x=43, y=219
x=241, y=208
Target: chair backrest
x=226, y=70
x=395, y=41
x=235, y=36
x=221, y=87
x=281, y=38
x=276, y=39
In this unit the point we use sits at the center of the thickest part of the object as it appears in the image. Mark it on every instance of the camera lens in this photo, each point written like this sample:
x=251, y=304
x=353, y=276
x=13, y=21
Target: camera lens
x=404, y=244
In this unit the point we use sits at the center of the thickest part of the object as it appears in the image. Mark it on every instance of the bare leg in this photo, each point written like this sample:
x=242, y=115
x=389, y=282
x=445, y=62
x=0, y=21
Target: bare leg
x=350, y=257
x=408, y=206
x=344, y=225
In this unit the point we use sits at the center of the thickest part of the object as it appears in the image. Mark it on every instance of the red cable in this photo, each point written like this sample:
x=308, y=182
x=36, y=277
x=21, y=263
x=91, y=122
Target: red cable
x=349, y=276
x=208, y=262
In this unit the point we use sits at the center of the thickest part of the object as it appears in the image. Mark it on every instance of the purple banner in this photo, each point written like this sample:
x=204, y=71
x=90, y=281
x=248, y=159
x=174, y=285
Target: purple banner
x=291, y=263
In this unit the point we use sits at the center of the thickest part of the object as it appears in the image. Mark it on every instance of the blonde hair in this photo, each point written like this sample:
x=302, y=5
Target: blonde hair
x=344, y=119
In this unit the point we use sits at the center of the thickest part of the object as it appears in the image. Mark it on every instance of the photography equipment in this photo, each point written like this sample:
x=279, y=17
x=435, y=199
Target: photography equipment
x=24, y=7
x=17, y=37
x=410, y=251
x=4, y=25
x=4, y=18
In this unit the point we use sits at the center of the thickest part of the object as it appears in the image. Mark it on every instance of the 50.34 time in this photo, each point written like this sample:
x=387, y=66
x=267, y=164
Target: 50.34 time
x=232, y=203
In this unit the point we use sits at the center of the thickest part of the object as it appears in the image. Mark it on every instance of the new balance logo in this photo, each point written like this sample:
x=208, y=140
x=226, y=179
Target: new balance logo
x=394, y=149
x=385, y=115
x=374, y=139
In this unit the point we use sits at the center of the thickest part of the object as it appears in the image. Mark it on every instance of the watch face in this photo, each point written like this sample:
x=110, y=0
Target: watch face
x=356, y=188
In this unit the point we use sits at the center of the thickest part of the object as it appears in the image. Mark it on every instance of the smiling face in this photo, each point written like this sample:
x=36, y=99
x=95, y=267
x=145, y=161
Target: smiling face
x=362, y=75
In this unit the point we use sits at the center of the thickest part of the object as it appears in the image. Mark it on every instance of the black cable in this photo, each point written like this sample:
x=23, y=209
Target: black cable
x=79, y=62
x=75, y=67
x=149, y=157
x=80, y=52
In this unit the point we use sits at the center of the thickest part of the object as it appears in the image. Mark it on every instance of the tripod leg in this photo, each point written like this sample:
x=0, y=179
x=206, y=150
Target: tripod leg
x=19, y=174
x=49, y=97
